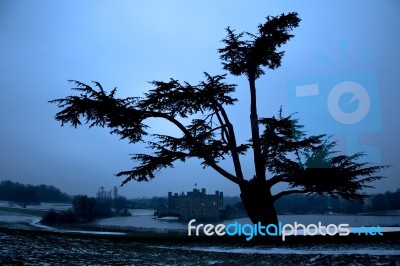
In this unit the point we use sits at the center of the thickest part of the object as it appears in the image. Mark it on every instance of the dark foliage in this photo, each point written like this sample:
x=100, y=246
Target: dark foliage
x=29, y=194
x=247, y=56
x=324, y=204
x=86, y=209
x=300, y=204
x=53, y=217
x=207, y=139
x=309, y=164
x=386, y=201
x=282, y=152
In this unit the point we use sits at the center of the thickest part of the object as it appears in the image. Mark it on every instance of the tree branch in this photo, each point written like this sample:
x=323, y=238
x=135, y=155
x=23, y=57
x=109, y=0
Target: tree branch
x=231, y=140
x=275, y=180
x=208, y=161
x=288, y=192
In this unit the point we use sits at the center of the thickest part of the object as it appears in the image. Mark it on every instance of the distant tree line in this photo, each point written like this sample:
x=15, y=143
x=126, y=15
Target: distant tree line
x=109, y=203
x=148, y=203
x=296, y=204
x=85, y=209
x=30, y=194
x=300, y=204
x=323, y=204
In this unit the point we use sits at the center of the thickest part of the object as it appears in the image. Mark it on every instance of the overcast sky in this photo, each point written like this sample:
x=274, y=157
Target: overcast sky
x=125, y=44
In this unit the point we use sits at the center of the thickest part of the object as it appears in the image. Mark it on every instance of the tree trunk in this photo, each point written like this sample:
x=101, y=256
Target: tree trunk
x=259, y=163
x=257, y=199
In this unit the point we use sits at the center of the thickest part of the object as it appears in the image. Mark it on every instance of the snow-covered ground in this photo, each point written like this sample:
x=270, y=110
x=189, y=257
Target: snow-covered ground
x=11, y=213
x=95, y=247
x=37, y=224
x=42, y=206
x=300, y=251
x=33, y=248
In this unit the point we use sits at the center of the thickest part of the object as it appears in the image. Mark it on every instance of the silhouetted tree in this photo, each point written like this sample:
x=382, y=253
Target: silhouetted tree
x=104, y=203
x=28, y=194
x=156, y=202
x=282, y=152
x=84, y=207
x=53, y=217
x=46, y=193
x=21, y=194
x=115, y=192
x=12, y=191
x=393, y=199
x=121, y=205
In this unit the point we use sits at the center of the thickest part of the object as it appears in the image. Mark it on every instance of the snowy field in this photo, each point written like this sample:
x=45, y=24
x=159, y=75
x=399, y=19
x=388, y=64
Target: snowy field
x=44, y=248
x=24, y=241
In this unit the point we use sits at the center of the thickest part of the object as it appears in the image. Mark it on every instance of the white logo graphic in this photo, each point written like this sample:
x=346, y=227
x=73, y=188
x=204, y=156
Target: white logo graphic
x=359, y=93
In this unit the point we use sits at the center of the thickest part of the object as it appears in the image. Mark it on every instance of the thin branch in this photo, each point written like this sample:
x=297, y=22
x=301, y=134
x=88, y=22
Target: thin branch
x=275, y=180
x=288, y=192
x=224, y=133
x=209, y=162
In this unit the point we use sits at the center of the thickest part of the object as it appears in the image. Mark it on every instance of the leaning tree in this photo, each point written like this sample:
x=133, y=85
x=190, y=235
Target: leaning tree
x=282, y=152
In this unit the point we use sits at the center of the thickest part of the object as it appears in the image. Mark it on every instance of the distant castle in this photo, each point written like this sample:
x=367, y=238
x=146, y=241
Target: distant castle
x=194, y=205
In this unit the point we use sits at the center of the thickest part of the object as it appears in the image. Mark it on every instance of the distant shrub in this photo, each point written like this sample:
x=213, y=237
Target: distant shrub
x=53, y=217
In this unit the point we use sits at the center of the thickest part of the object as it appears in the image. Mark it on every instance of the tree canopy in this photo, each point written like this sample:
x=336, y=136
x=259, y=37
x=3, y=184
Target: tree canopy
x=283, y=153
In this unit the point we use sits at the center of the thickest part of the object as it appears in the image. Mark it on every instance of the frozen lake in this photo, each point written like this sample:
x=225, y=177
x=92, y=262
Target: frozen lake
x=42, y=206
x=144, y=218
x=14, y=213
x=77, y=248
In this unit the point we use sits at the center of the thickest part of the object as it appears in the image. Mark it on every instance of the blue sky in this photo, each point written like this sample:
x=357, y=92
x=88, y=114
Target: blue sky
x=125, y=44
